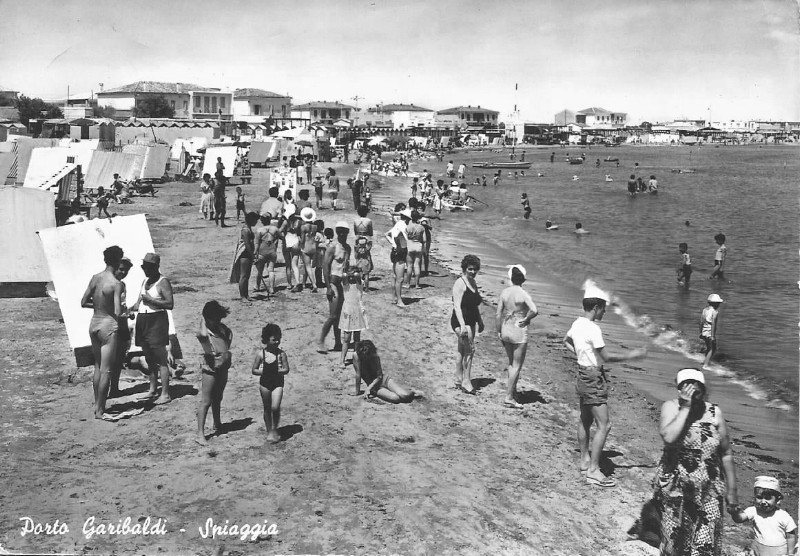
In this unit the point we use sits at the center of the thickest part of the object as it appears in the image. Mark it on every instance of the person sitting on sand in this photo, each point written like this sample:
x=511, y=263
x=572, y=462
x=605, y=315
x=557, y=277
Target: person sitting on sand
x=215, y=338
x=367, y=365
x=272, y=365
x=104, y=296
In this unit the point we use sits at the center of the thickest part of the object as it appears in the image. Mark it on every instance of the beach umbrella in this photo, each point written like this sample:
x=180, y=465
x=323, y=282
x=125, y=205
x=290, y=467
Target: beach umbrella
x=303, y=143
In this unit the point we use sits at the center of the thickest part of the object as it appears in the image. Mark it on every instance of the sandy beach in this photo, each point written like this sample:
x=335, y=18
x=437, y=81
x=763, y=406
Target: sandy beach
x=447, y=474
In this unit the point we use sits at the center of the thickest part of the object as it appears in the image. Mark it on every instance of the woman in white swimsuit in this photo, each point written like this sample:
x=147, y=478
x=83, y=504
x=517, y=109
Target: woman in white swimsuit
x=515, y=311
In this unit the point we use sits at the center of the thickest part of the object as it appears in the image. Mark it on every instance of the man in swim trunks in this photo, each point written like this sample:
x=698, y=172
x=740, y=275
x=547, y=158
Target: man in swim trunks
x=104, y=296
x=266, y=244
x=152, y=324
x=334, y=266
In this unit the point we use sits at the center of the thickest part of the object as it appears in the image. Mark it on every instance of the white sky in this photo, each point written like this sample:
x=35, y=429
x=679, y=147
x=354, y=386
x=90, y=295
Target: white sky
x=655, y=60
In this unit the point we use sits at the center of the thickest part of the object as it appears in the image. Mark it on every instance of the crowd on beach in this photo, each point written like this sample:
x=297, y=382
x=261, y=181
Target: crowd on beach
x=696, y=476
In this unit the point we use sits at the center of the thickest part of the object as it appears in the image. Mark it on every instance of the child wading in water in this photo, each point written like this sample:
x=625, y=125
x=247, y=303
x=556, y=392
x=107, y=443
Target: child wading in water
x=271, y=364
x=774, y=530
x=708, y=327
x=685, y=266
x=719, y=257
x=215, y=338
x=526, y=206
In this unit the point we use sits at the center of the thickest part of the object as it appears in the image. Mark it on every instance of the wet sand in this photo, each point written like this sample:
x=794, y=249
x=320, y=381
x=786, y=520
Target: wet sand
x=448, y=474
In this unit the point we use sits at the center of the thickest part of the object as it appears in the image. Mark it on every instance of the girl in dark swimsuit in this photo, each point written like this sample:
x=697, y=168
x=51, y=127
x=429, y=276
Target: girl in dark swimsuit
x=466, y=315
x=271, y=364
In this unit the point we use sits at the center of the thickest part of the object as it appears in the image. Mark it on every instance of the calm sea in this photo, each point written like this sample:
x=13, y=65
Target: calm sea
x=749, y=193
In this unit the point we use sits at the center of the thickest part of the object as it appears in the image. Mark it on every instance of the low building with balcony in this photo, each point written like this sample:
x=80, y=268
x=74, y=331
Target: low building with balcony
x=189, y=101
x=322, y=112
x=256, y=105
x=399, y=116
x=469, y=118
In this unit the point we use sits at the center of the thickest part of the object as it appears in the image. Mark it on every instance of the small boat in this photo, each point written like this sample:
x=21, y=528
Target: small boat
x=576, y=161
x=503, y=165
x=611, y=159
x=451, y=206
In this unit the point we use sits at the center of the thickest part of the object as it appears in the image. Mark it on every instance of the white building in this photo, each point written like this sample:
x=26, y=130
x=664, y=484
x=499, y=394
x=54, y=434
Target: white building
x=256, y=105
x=189, y=101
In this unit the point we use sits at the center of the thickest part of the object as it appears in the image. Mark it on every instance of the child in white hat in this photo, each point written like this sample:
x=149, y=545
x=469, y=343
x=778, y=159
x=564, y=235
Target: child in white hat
x=774, y=530
x=708, y=327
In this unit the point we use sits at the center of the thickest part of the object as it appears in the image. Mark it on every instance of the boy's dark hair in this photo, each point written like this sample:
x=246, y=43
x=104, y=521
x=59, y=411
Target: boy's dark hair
x=362, y=211
x=683, y=246
x=591, y=302
x=213, y=310
x=273, y=191
x=720, y=238
x=399, y=206
x=365, y=348
x=265, y=218
x=328, y=233
x=113, y=255
x=412, y=203
x=320, y=224
x=303, y=194
x=271, y=330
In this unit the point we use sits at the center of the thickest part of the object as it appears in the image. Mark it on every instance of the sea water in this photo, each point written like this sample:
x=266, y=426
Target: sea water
x=749, y=193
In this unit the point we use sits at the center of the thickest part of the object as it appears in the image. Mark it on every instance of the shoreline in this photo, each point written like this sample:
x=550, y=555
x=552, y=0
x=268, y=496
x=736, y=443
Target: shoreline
x=448, y=474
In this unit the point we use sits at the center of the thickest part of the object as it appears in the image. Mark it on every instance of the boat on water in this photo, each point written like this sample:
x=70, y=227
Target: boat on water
x=457, y=205
x=576, y=160
x=611, y=159
x=503, y=165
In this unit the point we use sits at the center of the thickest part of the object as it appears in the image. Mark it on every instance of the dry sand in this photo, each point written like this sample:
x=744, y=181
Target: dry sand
x=448, y=474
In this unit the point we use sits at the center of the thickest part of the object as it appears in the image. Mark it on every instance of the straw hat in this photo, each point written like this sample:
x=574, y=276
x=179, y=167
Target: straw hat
x=308, y=214
x=714, y=298
x=342, y=224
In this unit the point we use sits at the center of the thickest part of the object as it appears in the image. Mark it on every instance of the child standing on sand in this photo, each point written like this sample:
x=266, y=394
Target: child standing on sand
x=719, y=257
x=685, y=266
x=271, y=364
x=774, y=530
x=215, y=338
x=239, y=203
x=708, y=327
x=353, y=318
x=585, y=340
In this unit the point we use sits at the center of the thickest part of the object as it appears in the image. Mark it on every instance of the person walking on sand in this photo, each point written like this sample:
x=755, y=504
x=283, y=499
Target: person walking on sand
x=152, y=324
x=708, y=327
x=585, y=340
x=515, y=311
x=333, y=187
x=464, y=319
x=308, y=246
x=335, y=266
x=398, y=239
x=215, y=339
x=362, y=228
x=104, y=296
x=462, y=169
x=220, y=202
x=207, y=197
x=272, y=365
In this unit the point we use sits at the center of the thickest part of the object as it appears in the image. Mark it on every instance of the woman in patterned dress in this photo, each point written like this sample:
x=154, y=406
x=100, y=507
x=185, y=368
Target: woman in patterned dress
x=696, y=472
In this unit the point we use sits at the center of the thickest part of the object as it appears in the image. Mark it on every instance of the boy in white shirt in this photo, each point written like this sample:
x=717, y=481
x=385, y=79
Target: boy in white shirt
x=585, y=340
x=774, y=530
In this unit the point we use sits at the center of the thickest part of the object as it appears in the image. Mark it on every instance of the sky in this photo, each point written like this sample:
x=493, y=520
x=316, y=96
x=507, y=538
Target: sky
x=657, y=61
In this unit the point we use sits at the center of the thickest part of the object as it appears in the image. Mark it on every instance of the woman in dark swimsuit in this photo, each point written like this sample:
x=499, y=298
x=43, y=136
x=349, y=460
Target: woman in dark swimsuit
x=466, y=315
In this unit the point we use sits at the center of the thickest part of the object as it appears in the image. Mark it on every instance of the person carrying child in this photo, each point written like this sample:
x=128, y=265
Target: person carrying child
x=367, y=365
x=272, y=365
x=215, y=339
x=685, y=266
x=774, y=530
x=585, y=340
x=708, y=327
